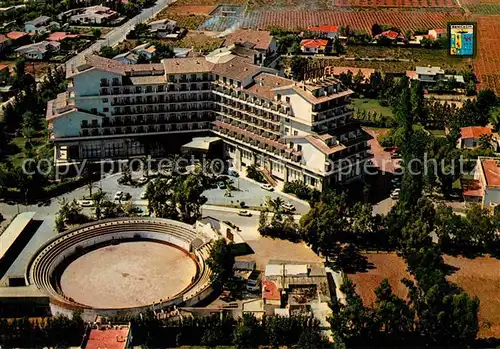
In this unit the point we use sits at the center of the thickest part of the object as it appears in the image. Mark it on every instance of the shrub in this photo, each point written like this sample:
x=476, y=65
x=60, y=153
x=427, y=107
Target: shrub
x=302, y=191
x=254, y=173
x=242, y=204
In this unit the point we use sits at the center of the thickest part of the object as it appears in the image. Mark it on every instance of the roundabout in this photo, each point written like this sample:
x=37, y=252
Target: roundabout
x=125, y=264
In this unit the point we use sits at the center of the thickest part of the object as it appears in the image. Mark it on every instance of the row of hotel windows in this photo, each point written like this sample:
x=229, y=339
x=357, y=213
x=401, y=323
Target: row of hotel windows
x=113, y=149
x=145, y=129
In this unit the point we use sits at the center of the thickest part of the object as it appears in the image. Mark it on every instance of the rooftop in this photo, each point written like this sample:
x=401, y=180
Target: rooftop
x=261, y=39
x=16, y=35
x=429, y=70
x=491, y=170
x=270, y=290
x=313, y=43
x=59, y=36
x=474, y=131
x=108, y=338
x=39, y=21
x=9, y=236
x=391, y=34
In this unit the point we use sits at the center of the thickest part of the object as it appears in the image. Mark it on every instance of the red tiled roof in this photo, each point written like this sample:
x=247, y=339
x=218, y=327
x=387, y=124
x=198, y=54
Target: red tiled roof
x=491, y=170
x=59, y=36
x=472, y=188
x=474, y=131
x=324, y=28
x=412, y=74
x=3, y=66
x=109, y=338
x=270, y=290
x=440, y=30
x=16, y=35
x=313, y=43
x=388, y=34
x=3, y=39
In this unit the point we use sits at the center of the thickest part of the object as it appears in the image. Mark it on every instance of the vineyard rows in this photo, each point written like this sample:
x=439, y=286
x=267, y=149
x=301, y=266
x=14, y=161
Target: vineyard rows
x=362, y=20
x=487, y=62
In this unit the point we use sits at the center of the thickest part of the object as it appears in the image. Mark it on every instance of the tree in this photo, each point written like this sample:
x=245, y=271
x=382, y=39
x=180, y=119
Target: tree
x=486, y=100
x=220, y=261
x=98, y=198
x=357, y=81
x=96, y=33
x=247, y=333
x=311, y=338
x=338, y=47
x=376, y=29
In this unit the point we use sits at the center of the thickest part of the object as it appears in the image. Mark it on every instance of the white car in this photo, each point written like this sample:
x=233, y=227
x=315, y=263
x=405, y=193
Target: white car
x=267, y=187
x=142, y=180
x=86, y=203
x=395, y=193
x=143, y=195
x=118, y=195
x=244, y=213
x=288, y=207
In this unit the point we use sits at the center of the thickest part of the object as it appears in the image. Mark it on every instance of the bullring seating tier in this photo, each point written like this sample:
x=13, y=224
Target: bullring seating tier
x=41, y=267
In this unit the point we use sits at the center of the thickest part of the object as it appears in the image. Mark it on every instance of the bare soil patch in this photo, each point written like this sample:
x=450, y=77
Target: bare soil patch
x=381, y=265
x=480, y=277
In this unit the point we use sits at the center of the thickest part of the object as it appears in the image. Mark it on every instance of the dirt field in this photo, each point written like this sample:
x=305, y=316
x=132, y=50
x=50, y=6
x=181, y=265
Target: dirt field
x=480, y=277
x=127, y=275
x=384, y=265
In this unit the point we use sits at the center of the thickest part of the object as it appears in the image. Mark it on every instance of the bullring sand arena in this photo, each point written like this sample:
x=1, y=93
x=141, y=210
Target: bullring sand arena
x=129, y=274
x=124, y=265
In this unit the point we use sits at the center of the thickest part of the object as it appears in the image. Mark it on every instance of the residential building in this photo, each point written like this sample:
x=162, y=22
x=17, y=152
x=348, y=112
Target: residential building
x=259, y=40
x=127, y=57
x=337, y=71
x=433, y=75
x=297, y=288
x=328, y=31
x=109, y=337
x=39, y=50
x=390, y=35
x=313, y=45
x=436, y=33
x=97, y=14
x=61, y=36
x=146, y=50
x=18, y=38
x=485, y=188
x=4, y=42
x=40, y=25
x=162, y=25
x=469, y=136
x=294, y=131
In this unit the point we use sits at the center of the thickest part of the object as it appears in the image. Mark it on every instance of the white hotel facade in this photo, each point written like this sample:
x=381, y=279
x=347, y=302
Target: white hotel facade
x=294, y=130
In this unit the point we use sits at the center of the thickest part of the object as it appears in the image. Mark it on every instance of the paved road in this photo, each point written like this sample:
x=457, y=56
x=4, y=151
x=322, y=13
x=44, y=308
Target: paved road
x=119, y=33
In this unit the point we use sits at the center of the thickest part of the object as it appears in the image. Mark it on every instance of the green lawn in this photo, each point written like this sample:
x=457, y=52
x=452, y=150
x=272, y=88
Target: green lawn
x=437, y=133
x=17, y=156
x=371, y=105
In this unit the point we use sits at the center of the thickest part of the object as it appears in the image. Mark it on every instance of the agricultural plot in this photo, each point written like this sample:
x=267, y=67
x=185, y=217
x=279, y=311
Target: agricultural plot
x=357, y=20
x=487, y=61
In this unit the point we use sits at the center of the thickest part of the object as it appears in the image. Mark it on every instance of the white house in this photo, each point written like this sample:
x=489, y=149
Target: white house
x=469, y=136
x=163, y=25
x=39, y=25
x=39, y=50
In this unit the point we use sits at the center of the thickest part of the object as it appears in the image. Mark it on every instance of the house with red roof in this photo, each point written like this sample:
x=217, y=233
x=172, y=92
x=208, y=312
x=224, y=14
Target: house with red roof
x=313, y=45
x=485, y=188
x=61, y=36
x=469, y=136
x=109, y=337
x=18, y=38
x=389, y=34
x=328, y=31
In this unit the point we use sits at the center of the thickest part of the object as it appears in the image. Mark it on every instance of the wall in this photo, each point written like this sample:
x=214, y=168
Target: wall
x=69, y=125
x=89, y=83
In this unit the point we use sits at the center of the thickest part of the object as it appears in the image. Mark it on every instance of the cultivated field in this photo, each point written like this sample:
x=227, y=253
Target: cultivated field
x=357, y=20
x=480, y=277
x=487, y=62
x=381, y=265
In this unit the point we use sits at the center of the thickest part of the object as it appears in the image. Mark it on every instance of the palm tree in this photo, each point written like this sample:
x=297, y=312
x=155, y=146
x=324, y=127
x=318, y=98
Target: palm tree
x=275, y=205
x=99, y=197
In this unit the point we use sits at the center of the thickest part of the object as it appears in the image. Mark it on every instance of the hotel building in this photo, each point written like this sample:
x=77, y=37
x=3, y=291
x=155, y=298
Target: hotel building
x=292, y=130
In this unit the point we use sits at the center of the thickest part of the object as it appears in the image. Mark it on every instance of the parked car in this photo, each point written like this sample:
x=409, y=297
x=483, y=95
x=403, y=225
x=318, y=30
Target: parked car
x=142, y=180
x=244, y=213
x=86, y=203
x=288, y=207
x=126, y=196
x=395, y=193
x=395, y=156
x=143, y=195
x=394, y=150
x=118, y=195
x=233, y=173
x=267, y=187
x=221, y=185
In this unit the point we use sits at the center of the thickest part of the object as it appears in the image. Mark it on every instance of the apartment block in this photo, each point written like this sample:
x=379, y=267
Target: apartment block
x=293, y=130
